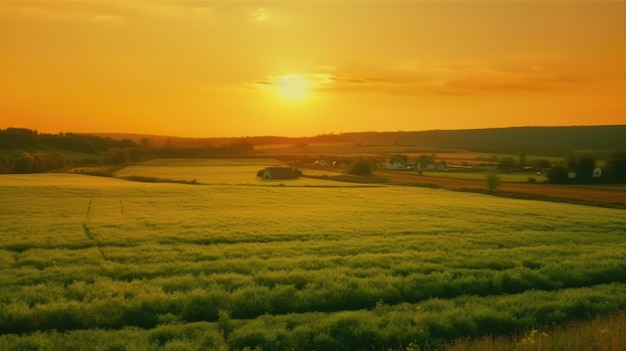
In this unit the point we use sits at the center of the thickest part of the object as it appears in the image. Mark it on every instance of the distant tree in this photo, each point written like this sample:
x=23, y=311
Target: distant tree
x=361, y=167
x=135, y=154
x=584, y=169
x=57, y=161
x=540, y=163
x=240, y=146
x=116, y=156
x=25, y=163
x=493, y=181
x=506, y=163
x=19, y=138
x=616, y=167
x=558, y=175
x=145, y=143
x=5, y=165
x=41, y=162
x=522, y=159
x=572, y=163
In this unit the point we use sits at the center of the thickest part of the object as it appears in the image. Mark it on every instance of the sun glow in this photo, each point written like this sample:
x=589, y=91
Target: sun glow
x=293, y=88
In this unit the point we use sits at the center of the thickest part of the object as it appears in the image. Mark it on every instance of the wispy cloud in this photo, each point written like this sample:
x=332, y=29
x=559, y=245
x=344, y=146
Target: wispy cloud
x=423, y=79
x=479, y=80
x=105, y=11
x=260, y=15
x=64, y=11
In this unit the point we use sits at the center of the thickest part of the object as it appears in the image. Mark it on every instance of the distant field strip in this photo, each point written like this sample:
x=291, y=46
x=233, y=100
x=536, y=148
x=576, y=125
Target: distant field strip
x=217, y=172
x=109, y=263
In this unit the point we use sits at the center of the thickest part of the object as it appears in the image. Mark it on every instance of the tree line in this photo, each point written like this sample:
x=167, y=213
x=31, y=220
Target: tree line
x=28, y=151
x=35, y=162
x=580, y=170
x=28, y=139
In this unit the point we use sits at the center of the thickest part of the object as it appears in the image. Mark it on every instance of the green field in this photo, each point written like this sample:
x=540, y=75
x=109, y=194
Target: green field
x=217, y=172
x=513, y=177
x=91, y=263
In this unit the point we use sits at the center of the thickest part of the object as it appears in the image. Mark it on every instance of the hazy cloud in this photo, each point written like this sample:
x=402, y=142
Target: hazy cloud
x=260, y=15
x=486, y=80
x=424, y=79
x=104, y=11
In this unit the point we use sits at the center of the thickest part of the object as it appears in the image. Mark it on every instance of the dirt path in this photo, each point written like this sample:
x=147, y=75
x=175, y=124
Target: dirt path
x=610, y=195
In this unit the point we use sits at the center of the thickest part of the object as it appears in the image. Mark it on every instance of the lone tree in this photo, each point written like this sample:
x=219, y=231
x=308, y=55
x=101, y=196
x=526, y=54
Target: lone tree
x=493, y=181
x=616, y=166
x=558, y=175
x=584, y=169
x=361, y=167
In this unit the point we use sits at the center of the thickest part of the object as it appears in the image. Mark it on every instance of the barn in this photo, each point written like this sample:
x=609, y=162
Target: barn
x=278, y=173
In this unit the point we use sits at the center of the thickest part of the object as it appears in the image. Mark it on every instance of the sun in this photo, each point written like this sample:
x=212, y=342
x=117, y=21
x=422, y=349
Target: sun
x=293, y=88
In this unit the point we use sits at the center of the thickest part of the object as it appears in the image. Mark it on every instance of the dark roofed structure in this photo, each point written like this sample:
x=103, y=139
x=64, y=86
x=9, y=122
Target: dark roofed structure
x=278, y=173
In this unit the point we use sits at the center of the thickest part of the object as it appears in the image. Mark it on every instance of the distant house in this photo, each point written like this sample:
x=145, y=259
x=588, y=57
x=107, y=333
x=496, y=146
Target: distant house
x=397, y=162
x=597, y=172
x=278, y=173
x=322, y=163
x=425, y=163
x=342, y=163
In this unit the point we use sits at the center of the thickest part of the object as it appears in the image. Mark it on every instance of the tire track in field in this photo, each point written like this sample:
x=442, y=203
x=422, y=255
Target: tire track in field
x=89, y=233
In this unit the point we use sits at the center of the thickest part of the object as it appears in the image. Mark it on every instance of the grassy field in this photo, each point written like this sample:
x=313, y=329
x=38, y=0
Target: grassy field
x=598, y=334
x=90, y=263
x=513, y=177
x=217, y=172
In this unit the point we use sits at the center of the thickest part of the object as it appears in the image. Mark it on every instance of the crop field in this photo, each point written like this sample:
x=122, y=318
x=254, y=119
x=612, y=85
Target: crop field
x=91, y=263
x=514, y=177
x=216, y=171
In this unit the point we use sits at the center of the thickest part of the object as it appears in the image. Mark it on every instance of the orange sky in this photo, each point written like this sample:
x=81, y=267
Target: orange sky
x=295, y=68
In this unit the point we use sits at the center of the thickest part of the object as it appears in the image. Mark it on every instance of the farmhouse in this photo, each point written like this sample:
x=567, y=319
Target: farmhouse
x=342, y=163
x=397, y=162
x=597, y=172
x=426, y=162
x=278, y=173
x=322, y=163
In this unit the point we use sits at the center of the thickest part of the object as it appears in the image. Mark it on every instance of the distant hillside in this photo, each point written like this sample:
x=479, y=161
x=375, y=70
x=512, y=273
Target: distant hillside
x=28, y=151
x=556, y=141
x=540, y=140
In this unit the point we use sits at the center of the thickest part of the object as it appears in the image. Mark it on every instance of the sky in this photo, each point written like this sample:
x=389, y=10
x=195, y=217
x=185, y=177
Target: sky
x=302, y=68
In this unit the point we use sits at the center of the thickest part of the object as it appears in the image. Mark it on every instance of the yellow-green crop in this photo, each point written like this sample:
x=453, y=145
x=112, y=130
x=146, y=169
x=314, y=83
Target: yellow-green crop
x=346, y=268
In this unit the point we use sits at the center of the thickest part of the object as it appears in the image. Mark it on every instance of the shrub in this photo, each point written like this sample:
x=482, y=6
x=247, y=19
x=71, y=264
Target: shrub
x=493, y=181
x=558, y=175
x=361, y=168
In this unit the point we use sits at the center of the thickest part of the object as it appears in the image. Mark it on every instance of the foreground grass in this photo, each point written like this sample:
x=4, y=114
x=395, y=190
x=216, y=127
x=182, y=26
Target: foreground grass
x=107, y=264
x=599, y=334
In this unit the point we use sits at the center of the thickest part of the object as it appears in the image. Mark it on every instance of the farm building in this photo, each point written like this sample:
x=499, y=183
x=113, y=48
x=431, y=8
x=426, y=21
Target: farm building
x=342, y=163
x=597, y=172
x=322, y=163
x=397, y=162
x=426, y=162
x=278, y=173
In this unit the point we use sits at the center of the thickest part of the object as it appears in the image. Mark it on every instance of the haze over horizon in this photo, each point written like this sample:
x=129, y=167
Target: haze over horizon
x=250, y=68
